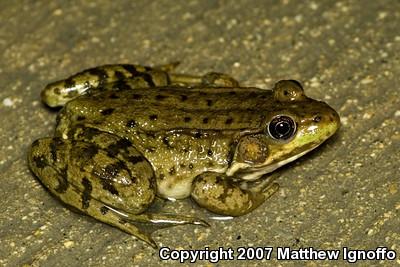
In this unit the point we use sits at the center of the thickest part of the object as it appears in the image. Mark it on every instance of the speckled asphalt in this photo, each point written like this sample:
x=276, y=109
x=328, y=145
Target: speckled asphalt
x=345, y=194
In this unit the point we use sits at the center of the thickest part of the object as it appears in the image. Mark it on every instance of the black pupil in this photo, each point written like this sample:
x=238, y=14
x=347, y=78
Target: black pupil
x=282, y=127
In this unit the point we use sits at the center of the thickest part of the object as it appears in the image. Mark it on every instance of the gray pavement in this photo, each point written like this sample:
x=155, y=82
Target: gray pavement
x=345, y=194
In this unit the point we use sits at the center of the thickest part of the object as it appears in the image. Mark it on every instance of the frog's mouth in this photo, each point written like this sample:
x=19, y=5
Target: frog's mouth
x=250, y=173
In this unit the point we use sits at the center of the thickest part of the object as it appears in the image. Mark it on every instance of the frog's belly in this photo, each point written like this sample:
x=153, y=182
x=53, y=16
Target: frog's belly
x=174, y=188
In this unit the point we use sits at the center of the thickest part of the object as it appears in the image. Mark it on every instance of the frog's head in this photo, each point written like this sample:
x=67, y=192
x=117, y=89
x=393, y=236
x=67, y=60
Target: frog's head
x=295, y=125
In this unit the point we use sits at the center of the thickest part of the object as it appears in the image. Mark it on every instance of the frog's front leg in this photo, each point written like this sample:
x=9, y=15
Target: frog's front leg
x=218, y=193
x=103, y=176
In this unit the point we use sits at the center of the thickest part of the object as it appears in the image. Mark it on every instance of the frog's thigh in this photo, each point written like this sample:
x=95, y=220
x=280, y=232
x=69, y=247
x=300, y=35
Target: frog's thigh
x=95, y=181
x=107, y=77
x=219, y=194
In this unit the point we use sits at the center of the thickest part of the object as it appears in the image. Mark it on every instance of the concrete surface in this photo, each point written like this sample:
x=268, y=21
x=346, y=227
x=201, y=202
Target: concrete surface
x=345, y=52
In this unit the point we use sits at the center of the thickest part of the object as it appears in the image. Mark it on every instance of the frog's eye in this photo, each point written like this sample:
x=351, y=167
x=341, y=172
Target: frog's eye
x=281, y=127
x=288, y=90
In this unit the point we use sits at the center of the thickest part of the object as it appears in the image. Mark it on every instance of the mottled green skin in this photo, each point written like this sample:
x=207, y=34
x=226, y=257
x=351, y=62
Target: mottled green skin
x=128, y=133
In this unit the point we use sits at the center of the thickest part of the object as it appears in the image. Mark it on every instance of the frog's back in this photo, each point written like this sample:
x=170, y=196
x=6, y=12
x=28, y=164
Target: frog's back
x=158, y=109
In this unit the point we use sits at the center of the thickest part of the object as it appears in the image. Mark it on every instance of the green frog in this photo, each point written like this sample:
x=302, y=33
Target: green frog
x=128, y=134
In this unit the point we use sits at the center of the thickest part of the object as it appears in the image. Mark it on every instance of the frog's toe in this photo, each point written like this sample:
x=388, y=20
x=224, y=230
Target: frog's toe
x=141, y=225
x=219, y=79
x=167, y=220
x=270, y=190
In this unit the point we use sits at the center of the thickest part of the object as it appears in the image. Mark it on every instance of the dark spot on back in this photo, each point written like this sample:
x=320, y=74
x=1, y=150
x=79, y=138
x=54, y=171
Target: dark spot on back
x=87, y=190
x=160, y=97
x=117, y=147
x=151, y=135
x=108, y=111
x=187, y=119
x=209, y=102
x=205, y=120
x=114, y=96
x=229, y=121
x=153, y=117
x=131, y=123
x=136, y=96
x=80, y=118
x=184, y=98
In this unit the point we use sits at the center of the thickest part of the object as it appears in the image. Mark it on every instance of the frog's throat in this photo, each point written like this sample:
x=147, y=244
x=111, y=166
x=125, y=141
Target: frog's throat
x=250, y=174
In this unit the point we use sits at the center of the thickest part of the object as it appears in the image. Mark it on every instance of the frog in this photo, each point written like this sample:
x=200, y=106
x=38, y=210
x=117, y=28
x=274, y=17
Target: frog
x=127, y=135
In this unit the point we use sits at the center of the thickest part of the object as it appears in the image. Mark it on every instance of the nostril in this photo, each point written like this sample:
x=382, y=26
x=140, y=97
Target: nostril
x=317, y=118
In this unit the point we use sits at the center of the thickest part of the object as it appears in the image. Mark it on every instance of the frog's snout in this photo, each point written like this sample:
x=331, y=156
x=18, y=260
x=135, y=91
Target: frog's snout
x=327, y=122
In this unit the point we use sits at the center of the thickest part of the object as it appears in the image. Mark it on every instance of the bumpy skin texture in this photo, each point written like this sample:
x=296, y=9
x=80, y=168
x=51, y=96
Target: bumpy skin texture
x=127, y=133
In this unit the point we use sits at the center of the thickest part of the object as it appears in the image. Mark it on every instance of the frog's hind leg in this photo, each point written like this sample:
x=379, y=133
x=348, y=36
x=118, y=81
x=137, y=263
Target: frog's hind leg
x=102, y=176
x=122, y=76
x=97, y=79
